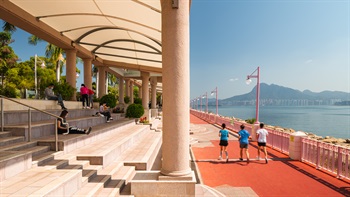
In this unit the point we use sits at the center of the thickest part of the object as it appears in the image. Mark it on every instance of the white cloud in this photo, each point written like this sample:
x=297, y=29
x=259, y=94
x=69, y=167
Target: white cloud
x=232, y=80
x=308, y=61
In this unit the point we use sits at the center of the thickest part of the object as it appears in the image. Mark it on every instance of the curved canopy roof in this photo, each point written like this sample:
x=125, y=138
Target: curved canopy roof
x=116, y=33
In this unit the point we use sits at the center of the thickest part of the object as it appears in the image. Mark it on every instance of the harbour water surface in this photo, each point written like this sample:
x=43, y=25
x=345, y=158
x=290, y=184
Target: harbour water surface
x=320, y=120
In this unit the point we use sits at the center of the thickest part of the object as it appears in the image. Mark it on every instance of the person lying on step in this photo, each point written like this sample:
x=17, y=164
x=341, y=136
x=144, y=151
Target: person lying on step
x=62, y=126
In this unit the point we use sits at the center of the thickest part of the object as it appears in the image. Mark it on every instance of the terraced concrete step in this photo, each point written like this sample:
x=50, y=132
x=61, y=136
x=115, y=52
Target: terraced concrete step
x=19, y=146
x=91, y=188
x=143, y=155
x=42, y=181
x=89, y=173
x=10, y=140
x=118, y=183
x=21, y=116
x=40, y=160
x=59, y=164
x=108, y=181
x=111, y=189
x=5, y=134
x=73, y=142
x=72, y=161
x=37, y=150
x=105, y=151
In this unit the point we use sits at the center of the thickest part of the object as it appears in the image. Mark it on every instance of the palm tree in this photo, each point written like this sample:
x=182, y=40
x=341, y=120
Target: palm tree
x=54, y=53
x=8, y=27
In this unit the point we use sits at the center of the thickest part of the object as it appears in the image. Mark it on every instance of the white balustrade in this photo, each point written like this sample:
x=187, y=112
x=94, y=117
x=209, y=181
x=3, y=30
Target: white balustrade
x=332, y=158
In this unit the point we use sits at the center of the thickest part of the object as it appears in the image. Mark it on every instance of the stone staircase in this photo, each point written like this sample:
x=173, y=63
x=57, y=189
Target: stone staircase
x=99, y=164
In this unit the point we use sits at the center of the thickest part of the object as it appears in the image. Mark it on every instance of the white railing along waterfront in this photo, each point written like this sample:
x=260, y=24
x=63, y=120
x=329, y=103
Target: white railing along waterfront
x=277, y=139
x=332, y=158
x=329, y=157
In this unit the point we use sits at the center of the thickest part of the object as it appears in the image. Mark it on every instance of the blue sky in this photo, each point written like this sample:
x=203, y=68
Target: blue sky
x=297, y=44
x=25, y=51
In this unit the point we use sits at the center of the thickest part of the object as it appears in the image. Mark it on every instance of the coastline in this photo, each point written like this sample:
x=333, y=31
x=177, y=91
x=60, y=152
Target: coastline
x=327, y=139
x=319, y=120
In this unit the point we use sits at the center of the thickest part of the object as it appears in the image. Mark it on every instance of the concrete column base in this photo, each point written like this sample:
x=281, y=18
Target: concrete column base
x=255, y=127
x=152, y=183
x=154, y=113
x=147, y=114
x=295, y=145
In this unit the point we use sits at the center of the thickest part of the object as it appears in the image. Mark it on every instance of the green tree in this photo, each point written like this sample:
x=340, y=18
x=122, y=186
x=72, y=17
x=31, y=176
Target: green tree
x=134, y=111
x=109, y=99
x=136, y=92
x=54, y=53
x=8, y=57
x=22, y=76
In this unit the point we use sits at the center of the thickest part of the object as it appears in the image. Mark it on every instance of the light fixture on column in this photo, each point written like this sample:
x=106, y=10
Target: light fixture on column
x=175, y=3
x=248, y=81
x=73, y=44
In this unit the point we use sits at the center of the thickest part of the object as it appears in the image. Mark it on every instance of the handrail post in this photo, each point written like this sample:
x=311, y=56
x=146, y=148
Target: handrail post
x=29, y=125
x=318, y=154
x=2, y=114
x=56, y=136
x=340, y=162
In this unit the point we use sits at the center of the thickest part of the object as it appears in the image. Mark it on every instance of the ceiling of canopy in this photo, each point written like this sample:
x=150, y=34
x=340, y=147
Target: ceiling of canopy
x=123, y=34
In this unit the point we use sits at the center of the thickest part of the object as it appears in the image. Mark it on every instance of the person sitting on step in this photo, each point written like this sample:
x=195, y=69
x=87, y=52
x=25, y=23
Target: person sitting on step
x=104, y=111
x=62, y=126
x=51, y=96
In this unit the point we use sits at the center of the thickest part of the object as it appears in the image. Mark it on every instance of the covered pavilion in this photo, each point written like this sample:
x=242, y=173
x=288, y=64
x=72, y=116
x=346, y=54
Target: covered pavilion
x=131, y=39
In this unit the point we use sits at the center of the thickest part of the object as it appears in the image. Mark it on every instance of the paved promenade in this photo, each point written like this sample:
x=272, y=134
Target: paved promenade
x=280, y=177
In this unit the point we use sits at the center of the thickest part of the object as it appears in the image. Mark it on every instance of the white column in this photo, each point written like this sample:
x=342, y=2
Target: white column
x=71, y=76
x=101, y=81
x=140, y=91
x=88, y=73
x=145, y=89
x=131, y=92
x=121, y=90
x=106, y=82
x=127, y=87
x=176, y=88
x=154, y=92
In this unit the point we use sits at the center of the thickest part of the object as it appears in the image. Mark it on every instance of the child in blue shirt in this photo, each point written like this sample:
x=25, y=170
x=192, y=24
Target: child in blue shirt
x=223, y=134
x=244, y=137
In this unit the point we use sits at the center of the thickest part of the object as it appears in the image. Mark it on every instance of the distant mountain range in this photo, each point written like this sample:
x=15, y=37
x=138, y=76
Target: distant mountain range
x=279, y=95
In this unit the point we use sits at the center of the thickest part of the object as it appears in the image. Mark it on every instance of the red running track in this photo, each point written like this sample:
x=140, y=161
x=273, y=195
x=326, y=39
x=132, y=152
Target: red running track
x=280, y=177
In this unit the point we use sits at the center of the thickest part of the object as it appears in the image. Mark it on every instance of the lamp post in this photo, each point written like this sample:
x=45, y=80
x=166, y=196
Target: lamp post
x=248, y=81
x=206, y=105
x=201, y=102
x=216, y=92
x=36, y=75
x=197, y=103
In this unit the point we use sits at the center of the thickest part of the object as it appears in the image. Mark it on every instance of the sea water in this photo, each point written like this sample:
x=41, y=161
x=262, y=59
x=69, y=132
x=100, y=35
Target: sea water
x=320, y=120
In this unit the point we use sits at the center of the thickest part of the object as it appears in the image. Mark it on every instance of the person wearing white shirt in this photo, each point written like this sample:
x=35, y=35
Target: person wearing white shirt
x=262, y=135
x=104, y=111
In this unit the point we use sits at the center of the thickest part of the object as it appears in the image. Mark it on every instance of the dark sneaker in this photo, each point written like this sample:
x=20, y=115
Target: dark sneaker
x=248, y=161
x=226, y=159
x=266, y=161
x=240, y=159
x=88, y=131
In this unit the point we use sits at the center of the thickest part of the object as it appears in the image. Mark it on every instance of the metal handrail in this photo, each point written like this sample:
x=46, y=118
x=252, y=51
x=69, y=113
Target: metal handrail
x=30, y=118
